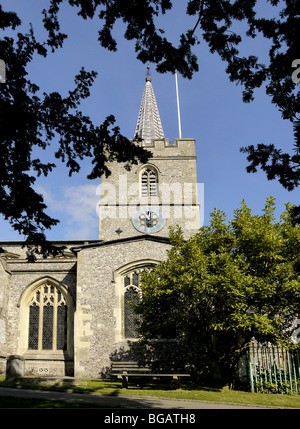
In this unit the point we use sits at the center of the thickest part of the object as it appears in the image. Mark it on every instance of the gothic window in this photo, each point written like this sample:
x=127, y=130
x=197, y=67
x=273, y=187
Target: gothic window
x=47, y=319
x=149, y=182
x=132, y=293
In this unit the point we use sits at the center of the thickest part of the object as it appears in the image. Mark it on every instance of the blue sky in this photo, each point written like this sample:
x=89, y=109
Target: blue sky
x=212, y=112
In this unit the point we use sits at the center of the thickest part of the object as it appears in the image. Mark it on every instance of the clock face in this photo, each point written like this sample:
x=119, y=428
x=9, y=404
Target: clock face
x=148, y=220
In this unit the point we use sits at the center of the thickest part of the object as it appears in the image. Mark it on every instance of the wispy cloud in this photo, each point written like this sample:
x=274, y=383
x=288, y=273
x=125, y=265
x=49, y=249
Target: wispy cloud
x=76, y=208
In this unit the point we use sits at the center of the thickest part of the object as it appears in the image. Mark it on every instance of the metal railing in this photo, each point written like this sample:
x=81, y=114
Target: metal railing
x=273, y=369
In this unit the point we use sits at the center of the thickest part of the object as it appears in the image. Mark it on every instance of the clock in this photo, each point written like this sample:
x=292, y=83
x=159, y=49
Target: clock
x=148, y=220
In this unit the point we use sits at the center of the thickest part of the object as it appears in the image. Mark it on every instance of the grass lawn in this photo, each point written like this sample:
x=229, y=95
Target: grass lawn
x=155, y=389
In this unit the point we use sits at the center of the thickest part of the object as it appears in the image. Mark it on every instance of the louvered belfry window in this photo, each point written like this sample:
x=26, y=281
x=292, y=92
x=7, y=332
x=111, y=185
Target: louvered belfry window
x=47, y=319
x=149, y=183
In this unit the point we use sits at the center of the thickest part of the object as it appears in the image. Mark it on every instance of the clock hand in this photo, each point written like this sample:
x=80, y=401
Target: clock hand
x=148, y=215
x=148, y=218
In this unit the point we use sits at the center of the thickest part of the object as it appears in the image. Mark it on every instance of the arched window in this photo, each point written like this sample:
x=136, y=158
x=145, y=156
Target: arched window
x=149, y=182
x=128, y=292
x=47, y=319
x=132, y=294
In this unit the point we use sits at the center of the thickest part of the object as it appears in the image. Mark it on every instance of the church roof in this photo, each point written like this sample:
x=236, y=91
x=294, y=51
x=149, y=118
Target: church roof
x=149, y=124
x=142, y=237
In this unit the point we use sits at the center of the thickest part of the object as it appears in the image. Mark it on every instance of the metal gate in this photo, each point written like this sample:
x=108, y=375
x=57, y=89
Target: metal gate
x=273, y=369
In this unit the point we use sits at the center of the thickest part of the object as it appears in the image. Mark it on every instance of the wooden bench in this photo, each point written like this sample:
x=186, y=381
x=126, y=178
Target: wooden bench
x=124, y=370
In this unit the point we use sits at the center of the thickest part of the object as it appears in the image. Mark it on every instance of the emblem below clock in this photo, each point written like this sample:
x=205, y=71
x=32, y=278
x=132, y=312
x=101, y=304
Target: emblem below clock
x=148, y=220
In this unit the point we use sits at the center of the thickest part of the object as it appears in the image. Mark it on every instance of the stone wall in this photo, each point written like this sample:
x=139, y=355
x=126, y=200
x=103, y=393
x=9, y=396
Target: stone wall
x=4, y=278
x=16, y=277
x=92, y=276
x=2, y=365
x=98, y=318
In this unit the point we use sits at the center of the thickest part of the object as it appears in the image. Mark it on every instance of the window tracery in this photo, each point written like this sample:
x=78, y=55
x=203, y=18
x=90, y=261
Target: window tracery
x=47, y=319
x=132, y=295
x=149, y=182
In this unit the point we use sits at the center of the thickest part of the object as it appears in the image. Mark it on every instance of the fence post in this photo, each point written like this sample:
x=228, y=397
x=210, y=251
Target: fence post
x=274, y=366
x=289, y=369
x=249, y=366
x=284, y=359
x=294, y=371
x=297, y=368
x=259, y=363
x=279, y=365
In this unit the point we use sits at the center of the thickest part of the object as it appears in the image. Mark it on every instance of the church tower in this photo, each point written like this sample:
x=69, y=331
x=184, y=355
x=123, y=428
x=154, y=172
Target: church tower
x=154, y=196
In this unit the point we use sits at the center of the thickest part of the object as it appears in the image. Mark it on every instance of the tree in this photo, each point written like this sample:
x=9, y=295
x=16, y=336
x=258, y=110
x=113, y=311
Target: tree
x=29, y=120
x=215, y=24
x=278, y=165
x=43, y=117
x=225, y=286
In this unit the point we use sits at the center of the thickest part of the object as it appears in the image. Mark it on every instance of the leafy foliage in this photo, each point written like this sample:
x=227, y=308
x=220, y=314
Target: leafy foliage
x=277, y=165
x=225, y=286
x=42, y=118
x=29, y=120
x=217, y=24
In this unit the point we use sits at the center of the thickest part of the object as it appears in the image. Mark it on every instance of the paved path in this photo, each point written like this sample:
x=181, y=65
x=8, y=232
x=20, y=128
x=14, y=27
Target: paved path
x=122, y=401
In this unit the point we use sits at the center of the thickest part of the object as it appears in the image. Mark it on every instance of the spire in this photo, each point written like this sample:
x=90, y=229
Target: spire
x=148, y=124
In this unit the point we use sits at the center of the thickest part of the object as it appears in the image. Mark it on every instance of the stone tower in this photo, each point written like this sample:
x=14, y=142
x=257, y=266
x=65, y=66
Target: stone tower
x=151, y=197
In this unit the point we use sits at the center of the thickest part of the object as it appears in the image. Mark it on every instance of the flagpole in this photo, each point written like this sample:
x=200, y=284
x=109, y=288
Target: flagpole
x=178, y=108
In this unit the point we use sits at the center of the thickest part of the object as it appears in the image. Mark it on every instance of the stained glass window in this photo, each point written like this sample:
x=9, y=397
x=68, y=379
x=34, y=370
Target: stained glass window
x=130, y=318
x=126, y=281
x=135, y=279
x=62, y=327
x=47, y=327
x=34, y=312
x=47, y=319
x=131, y=296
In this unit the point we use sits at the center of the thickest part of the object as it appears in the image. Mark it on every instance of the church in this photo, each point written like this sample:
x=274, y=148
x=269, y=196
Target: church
x=69, y=315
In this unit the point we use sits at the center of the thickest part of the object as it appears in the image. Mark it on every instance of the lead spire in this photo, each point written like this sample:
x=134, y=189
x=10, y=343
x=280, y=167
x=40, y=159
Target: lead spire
x=149, y=124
